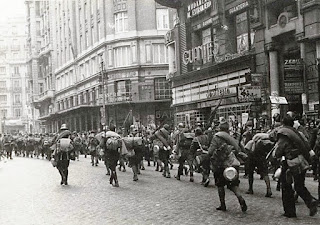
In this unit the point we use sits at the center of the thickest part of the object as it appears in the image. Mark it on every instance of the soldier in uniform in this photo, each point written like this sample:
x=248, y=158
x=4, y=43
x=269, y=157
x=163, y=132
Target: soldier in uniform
x=294, y=151
x=62, y=158
x=222, y=156
x=111, y=149
x=93, y=149
x=161, y=138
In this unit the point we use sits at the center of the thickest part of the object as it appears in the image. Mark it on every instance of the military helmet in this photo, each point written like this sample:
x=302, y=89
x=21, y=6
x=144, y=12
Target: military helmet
x=63, y=127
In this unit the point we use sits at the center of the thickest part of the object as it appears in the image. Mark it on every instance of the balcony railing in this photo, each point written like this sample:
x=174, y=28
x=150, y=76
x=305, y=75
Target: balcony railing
x=121, y=98
x=46, y=94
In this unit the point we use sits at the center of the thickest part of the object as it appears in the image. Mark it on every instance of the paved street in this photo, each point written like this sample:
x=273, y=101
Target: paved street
x=30, y=193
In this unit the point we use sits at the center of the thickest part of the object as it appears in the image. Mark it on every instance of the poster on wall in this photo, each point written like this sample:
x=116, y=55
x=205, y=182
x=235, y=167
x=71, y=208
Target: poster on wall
x=244, y=118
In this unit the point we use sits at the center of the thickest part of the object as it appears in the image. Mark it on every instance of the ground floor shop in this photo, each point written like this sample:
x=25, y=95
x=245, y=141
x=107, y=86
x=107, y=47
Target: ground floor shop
x=88, y=118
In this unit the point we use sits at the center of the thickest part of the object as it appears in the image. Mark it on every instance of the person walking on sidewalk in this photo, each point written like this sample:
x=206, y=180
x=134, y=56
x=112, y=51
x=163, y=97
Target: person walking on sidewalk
x=222, y=152
x=294, y=149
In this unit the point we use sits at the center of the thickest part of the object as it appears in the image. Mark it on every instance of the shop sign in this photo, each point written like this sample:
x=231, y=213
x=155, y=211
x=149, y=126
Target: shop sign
x=238, y=8
x=278, y=100
x=198, y=7
x=293, y=87
x=216, y=92
x=161, y=114
x=116, y=76
x=213, y=21
x=249, y=93
x=293, y=62
x=208, y=51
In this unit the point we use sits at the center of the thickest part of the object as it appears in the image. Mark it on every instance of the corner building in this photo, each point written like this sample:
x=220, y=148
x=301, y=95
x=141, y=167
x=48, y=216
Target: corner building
x=214, y=47
x=110, y=64
x=246, y=53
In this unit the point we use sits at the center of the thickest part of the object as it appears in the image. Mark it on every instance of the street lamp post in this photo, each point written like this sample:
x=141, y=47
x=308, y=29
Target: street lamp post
x=103, y=78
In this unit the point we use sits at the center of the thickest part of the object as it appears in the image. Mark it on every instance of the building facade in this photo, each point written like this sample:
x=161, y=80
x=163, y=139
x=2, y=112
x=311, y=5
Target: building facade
x=14, y=105
x=108, y=63
x=252, y=58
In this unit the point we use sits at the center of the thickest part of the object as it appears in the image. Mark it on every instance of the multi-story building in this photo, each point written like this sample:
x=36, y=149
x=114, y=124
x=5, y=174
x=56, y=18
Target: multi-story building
x=109, y=63
x=34, y=38
x=258, y=57
x=14, y=105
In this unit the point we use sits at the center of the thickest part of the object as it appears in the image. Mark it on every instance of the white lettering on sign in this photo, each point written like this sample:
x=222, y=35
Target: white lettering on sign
x=293, y=62
x=238, y=7
x=123, y=75
x=198, y=7
x=208, y=51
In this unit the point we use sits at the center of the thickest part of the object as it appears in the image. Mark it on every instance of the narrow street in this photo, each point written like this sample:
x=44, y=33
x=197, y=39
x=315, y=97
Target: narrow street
x=31, y=194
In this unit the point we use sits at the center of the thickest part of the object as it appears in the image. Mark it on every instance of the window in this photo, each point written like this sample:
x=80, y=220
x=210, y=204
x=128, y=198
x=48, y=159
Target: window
x=160, y=53
x=98, y=31
x=16, y=70
x=2, y=70
x=3, y=99
x=162, y=19
x=38, y=28
x=85, y=12
x=121, y=22
x=93, y=38
x=122, y=56
x=242, y=32
x=206, y=40
x=3, y=113
x=37, y=8
x=16, y=84
x=3, y=84
x=41, y=90
x=162, y=88
x=17, y=113
x=17, y=99
x=87, y=39
x=123, y=90
x=92, y=6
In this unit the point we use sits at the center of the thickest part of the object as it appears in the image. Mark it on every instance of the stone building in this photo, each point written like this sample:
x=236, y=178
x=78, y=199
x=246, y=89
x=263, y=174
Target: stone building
x=258, y=57
x=15, y=112
x=108, y=63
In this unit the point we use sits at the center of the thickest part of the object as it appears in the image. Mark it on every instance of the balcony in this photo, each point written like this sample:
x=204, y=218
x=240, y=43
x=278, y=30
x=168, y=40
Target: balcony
x=46, y=95
x=121, y=98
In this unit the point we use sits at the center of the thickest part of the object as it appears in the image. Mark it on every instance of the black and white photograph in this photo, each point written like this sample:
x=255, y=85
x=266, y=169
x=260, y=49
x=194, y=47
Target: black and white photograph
x=159, y=112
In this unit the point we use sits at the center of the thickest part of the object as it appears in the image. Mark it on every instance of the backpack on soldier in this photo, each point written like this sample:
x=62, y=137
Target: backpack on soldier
x=185, y=139
x=113, y=143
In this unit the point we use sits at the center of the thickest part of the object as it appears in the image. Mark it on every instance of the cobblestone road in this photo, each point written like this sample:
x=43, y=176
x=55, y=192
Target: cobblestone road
x=30, y=194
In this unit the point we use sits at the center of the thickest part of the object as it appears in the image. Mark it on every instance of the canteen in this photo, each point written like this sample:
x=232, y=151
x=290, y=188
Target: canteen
x=230, y=173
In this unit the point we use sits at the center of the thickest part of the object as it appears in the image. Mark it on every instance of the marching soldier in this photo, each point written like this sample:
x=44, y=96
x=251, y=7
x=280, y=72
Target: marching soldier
x=63, y=153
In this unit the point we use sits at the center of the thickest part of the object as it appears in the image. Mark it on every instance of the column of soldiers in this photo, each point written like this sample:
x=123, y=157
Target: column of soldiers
x=295, y=149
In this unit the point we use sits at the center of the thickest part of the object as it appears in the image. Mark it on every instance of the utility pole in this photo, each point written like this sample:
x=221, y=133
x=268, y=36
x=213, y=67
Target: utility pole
x=103, y=75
